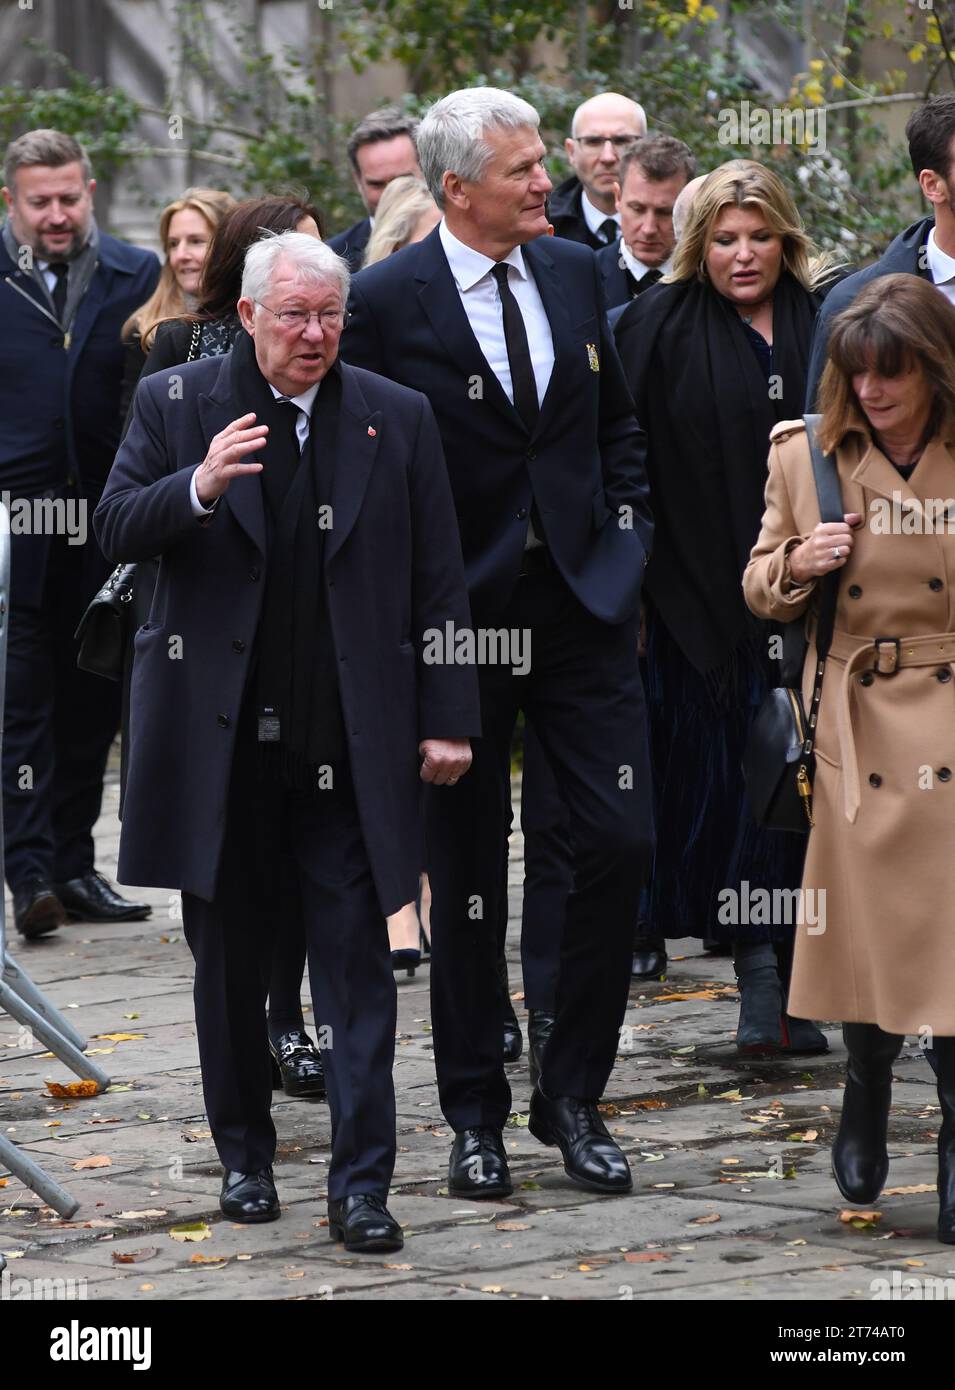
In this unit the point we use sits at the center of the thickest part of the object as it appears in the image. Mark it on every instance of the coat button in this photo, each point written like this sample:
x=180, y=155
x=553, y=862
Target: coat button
x=944, y=774
x=855, y=591
x=222, y=720
x=935, y=585
x=522, y=514
x=238, y=645
x=943, y=674
x=253, y=573
x=874, y=779
x=866, y=678
x=531, y=455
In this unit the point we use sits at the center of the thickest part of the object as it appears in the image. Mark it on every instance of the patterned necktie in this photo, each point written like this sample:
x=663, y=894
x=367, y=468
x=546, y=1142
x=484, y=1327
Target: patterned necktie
x=61, y=270
x=523, y=381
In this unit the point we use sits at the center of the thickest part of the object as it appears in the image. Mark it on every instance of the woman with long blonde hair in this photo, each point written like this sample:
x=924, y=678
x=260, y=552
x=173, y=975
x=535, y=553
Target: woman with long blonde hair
x=715, y=355
x=186, y=228
x=406, y=213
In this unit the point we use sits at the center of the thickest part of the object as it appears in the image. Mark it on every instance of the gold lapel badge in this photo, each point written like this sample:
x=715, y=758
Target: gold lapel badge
x=592, y=357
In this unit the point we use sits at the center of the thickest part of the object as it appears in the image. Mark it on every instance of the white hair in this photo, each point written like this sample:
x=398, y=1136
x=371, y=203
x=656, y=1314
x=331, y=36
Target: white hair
x=451, y=134
x=314, y=262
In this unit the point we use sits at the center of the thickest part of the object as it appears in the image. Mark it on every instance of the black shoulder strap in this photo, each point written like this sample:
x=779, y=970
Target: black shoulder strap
x=830, y=509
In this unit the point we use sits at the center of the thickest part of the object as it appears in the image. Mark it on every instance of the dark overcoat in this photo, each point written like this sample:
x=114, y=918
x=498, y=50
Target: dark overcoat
x=393, y=569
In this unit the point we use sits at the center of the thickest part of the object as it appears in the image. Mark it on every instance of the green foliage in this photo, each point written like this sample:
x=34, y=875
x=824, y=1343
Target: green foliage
x=268, y=124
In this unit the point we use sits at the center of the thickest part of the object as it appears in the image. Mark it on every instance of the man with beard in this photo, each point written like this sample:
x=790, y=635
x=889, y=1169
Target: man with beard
x=66, y=289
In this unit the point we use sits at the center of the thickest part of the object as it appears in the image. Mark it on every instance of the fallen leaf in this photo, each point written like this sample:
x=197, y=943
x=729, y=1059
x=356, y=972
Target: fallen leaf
x=218, y=1260
x=916, y=1264
x=139, y=1215
x=705, y=1220
x=860, y=1219
x=119, y=1037
x=197, y=1230
x=134, y=1257
x=71, y=1088
x=491, y=1288
x=807, y=1136
x=649, y=1104
x=291, y=1274
x=399, y=1266
x=513, y=1226
x=646, y=1257
x=130, y=1015
x=96, y=1161
x=908, y=1191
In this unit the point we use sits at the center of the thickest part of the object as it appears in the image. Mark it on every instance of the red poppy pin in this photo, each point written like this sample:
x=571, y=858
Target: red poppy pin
x=372, y=432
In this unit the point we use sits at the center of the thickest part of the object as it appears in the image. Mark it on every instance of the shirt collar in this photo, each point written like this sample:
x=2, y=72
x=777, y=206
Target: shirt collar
x=940, y=264
x=637, y=268
x=304, y=402
x=469, y=266
x=593, y=216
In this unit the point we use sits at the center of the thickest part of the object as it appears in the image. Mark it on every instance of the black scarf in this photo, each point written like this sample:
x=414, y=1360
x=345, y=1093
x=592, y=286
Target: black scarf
x=298, y=707
x=704, y=402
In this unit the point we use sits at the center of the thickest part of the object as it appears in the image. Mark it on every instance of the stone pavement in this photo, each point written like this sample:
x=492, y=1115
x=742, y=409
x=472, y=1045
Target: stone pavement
x=732, y=1199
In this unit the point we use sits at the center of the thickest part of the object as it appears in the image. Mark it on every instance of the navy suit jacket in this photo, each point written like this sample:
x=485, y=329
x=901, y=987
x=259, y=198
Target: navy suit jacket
x=392, y=567
x=583, y=463
x=351, y=243
x=613, y=276
x=60, y=406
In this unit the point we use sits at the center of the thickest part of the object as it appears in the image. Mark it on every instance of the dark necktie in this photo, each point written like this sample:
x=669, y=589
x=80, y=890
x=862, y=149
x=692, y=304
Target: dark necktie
x=609, y=230
x=294, y=413
x=523, y=382
x=61, y=270
x=649, y=278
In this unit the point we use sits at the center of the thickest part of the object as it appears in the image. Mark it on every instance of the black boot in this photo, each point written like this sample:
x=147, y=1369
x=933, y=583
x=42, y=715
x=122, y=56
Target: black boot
x=800, y=1035
x=945, y=1057
x=649, y=955
x=513, y=1038
x=760, y=997
x=860, y=1163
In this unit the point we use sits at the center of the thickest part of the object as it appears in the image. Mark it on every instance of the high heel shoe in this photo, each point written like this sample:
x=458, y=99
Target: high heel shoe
x=407, y=959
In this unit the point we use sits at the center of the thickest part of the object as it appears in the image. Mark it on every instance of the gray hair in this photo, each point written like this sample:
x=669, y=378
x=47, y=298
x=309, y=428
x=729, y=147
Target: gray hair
x=315, y=263
x=52, y=148
x=450, y=136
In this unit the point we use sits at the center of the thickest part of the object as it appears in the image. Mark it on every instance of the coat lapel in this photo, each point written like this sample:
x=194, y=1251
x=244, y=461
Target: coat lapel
x=356, y=445
x=243, y=496
x=442, y=304
x=554, y=297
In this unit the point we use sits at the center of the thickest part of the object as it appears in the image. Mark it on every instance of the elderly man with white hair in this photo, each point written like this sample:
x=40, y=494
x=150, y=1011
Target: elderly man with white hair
x=583, y=207
x=503, y=327
x=280, y=707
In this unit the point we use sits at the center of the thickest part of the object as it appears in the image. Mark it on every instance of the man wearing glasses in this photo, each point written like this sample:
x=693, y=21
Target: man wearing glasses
x=583, y=208
x=303, y=515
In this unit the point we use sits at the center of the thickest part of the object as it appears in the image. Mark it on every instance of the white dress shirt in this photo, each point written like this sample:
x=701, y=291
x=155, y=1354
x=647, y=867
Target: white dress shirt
x=637, y=268
x=304, y=402
x=941, y=267
x=482, y=303
x=595, y=218
x=49, y=279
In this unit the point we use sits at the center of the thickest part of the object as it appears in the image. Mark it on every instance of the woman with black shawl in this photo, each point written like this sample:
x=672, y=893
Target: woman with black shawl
x=716, y=354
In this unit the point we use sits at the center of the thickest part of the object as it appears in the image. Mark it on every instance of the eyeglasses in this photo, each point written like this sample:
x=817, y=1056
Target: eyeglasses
x=295, y=320
x=597, y=142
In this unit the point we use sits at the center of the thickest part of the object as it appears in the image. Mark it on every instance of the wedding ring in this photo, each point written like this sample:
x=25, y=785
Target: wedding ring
x=837, y=553
x=451, y=781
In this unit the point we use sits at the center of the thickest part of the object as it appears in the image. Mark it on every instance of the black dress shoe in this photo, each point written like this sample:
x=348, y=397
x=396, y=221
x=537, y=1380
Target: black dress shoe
x=36, y=909
x=364, y=1223
x=91, y=898
x=591, y=1158
x=478, y=1165
x=297, y=1065
x=540, y=1025
x=649, y=959
x=249, y=1197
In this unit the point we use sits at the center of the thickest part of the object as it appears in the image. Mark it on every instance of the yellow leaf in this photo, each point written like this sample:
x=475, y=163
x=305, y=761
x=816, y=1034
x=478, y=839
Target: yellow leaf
x=97, y=1161
x=916, y=53
x=218, y=1260
x=512, y=1226
x=860, y=1218
x=197, y=1230
x=888, y=30
x=907, y=1191
x=816, y=65
x=72, y=1088
x=838, y=81
x=120, y=1037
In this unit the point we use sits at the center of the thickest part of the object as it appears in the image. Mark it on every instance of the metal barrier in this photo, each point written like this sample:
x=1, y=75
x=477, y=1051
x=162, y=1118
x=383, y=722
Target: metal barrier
x=19, y=996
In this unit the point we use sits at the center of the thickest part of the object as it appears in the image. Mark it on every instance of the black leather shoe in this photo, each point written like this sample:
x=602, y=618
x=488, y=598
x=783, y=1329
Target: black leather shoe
x=800, y=1035
x=860, y=1160
x=478, y=1165
x=249, y=1197
x=649, y=959
x=91, y=898
x=540, y=1025
x=760, y=1027
x=36, y=909
x=364, y=1223
x=591, y=1158
x=945, y=1059
x=513, y=1037
x=297, y=1065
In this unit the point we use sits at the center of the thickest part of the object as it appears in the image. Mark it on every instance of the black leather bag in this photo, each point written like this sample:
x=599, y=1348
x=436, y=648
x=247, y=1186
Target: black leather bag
x=778, y=762
x=103, y=632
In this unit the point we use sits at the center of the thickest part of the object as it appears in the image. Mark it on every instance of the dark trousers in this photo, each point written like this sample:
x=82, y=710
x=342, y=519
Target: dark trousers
x=353, y=988
x=59, y=722
x=584, y=698
x=548, y=876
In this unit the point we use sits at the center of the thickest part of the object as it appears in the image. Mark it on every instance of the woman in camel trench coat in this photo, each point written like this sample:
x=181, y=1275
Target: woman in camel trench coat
x=883, y=843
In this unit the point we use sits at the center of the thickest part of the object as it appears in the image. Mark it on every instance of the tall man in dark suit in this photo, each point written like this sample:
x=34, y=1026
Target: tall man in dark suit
x=653, y=172
x=380, y=148
x=504, y=328
x=66, y=289
x=280, y=699
x=582, y=208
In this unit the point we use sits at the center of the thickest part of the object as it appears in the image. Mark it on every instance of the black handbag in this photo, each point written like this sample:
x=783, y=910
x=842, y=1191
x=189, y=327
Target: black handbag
x=778, y=762
x=103, y=632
